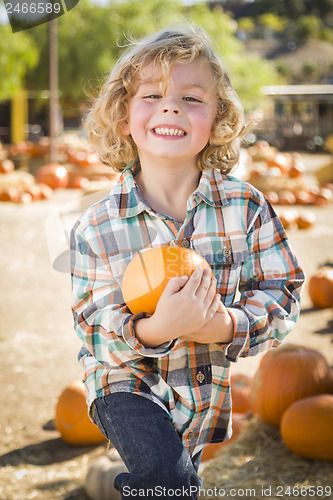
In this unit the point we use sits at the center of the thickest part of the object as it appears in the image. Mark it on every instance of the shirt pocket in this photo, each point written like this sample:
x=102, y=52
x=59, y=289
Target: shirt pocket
x=118, y=264
x=226, y=256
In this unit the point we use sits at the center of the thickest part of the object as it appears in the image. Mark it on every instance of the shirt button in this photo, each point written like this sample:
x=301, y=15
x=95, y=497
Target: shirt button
x=191, y=435
x=200, y=377
x=185, y=244
x=226, y=252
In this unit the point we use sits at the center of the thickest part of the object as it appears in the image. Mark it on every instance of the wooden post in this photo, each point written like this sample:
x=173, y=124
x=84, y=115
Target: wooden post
x=53, y=84
x=19, y=116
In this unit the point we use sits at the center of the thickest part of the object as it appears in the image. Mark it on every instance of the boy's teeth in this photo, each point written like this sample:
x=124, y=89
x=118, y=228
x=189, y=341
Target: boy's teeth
x=168, y=131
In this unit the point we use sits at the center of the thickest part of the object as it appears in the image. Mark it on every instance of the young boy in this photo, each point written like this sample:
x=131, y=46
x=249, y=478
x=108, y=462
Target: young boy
x=158, y=385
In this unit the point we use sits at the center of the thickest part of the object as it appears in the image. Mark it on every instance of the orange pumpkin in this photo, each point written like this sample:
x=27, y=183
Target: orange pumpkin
x=272, y=197
x=279, y=160
x=25, y=197
x=6, y=166
x=148, y=273
x=45, y=191
x=241, y=392
x=324, y=197
x=10, y=194
x=287, y=197
x=54, y=175
x=288, y=218
x=304, y=197
x=321, y=287
x=239, y=421
x=79, y=182
x=34, y=191
x=306, y=427
x=72, y=420
x=41, y=148
x=306, y=220
x=297, y=168
x=285, y=375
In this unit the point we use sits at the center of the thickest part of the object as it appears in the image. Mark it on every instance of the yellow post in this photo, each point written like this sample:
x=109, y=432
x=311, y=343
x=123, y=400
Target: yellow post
x=19, y=116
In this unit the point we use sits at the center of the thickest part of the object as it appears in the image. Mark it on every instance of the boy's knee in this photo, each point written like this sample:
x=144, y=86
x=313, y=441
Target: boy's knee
x=177, y=477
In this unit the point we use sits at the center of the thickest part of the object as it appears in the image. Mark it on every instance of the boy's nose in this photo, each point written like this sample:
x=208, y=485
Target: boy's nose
x=171, y=110
x=171, y=106
x=167, y=110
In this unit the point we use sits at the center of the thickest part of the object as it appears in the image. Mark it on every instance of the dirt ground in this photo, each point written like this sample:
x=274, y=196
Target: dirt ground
x=39, y=347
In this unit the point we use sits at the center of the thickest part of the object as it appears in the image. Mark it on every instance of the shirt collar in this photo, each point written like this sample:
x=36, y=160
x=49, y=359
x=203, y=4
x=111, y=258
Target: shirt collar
x=125, y=199
x=211, y=188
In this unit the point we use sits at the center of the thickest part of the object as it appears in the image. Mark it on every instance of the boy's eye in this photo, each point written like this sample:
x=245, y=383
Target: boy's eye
x=191, y=99
x=153, y=96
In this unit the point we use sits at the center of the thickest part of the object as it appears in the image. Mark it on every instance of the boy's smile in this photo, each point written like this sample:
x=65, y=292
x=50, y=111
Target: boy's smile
x=169, y=131
x=172, y=119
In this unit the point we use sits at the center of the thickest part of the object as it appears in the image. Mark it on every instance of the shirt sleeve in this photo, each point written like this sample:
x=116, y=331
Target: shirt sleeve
x=102, y=321
x=270, y=285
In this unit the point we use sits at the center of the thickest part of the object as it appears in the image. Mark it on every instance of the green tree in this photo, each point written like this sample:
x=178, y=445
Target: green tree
x=91, y=38
x=248, y=72
x=272, y=22
x=321, y=7
x=246, y=24
x=18, y=54
x=307, y=27
x=326, y=34
x=283, y=69
x=288, y=8
x=309, y=70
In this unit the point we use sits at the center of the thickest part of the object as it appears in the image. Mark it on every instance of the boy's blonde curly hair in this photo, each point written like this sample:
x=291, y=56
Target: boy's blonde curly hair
x=109, y=112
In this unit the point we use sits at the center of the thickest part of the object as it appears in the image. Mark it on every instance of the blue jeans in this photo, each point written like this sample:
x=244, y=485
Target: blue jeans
x=159, y=464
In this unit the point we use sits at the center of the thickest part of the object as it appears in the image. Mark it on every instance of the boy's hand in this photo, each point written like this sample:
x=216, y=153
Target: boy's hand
x=187, y=303
x=219, y=329
x=185, y=306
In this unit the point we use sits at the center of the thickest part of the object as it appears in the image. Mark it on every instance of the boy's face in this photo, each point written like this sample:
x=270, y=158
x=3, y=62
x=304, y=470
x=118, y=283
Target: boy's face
x=172, y=119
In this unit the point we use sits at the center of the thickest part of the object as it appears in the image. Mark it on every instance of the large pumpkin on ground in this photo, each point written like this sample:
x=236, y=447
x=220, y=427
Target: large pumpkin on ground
x=307, y=427
x=321, y=287
x=148, y=273
x=71, y=417
x=285, y=375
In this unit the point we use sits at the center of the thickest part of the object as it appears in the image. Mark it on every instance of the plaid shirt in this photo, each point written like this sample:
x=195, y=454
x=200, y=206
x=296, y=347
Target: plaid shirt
x=235, y=229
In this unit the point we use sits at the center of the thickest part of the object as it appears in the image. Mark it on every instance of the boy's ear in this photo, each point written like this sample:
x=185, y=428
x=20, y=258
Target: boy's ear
x=125, y=128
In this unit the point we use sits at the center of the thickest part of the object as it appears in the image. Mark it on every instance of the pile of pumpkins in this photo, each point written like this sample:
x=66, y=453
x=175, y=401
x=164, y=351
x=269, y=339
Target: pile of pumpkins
x=293, y=390
x=281, y=176
x=78, y=167
x=19, y=186
x=294, y=219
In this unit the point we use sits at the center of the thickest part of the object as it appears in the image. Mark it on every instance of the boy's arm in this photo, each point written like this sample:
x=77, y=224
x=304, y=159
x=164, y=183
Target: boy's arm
x=270, y=285
x=219, y=330
x=102, y=321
